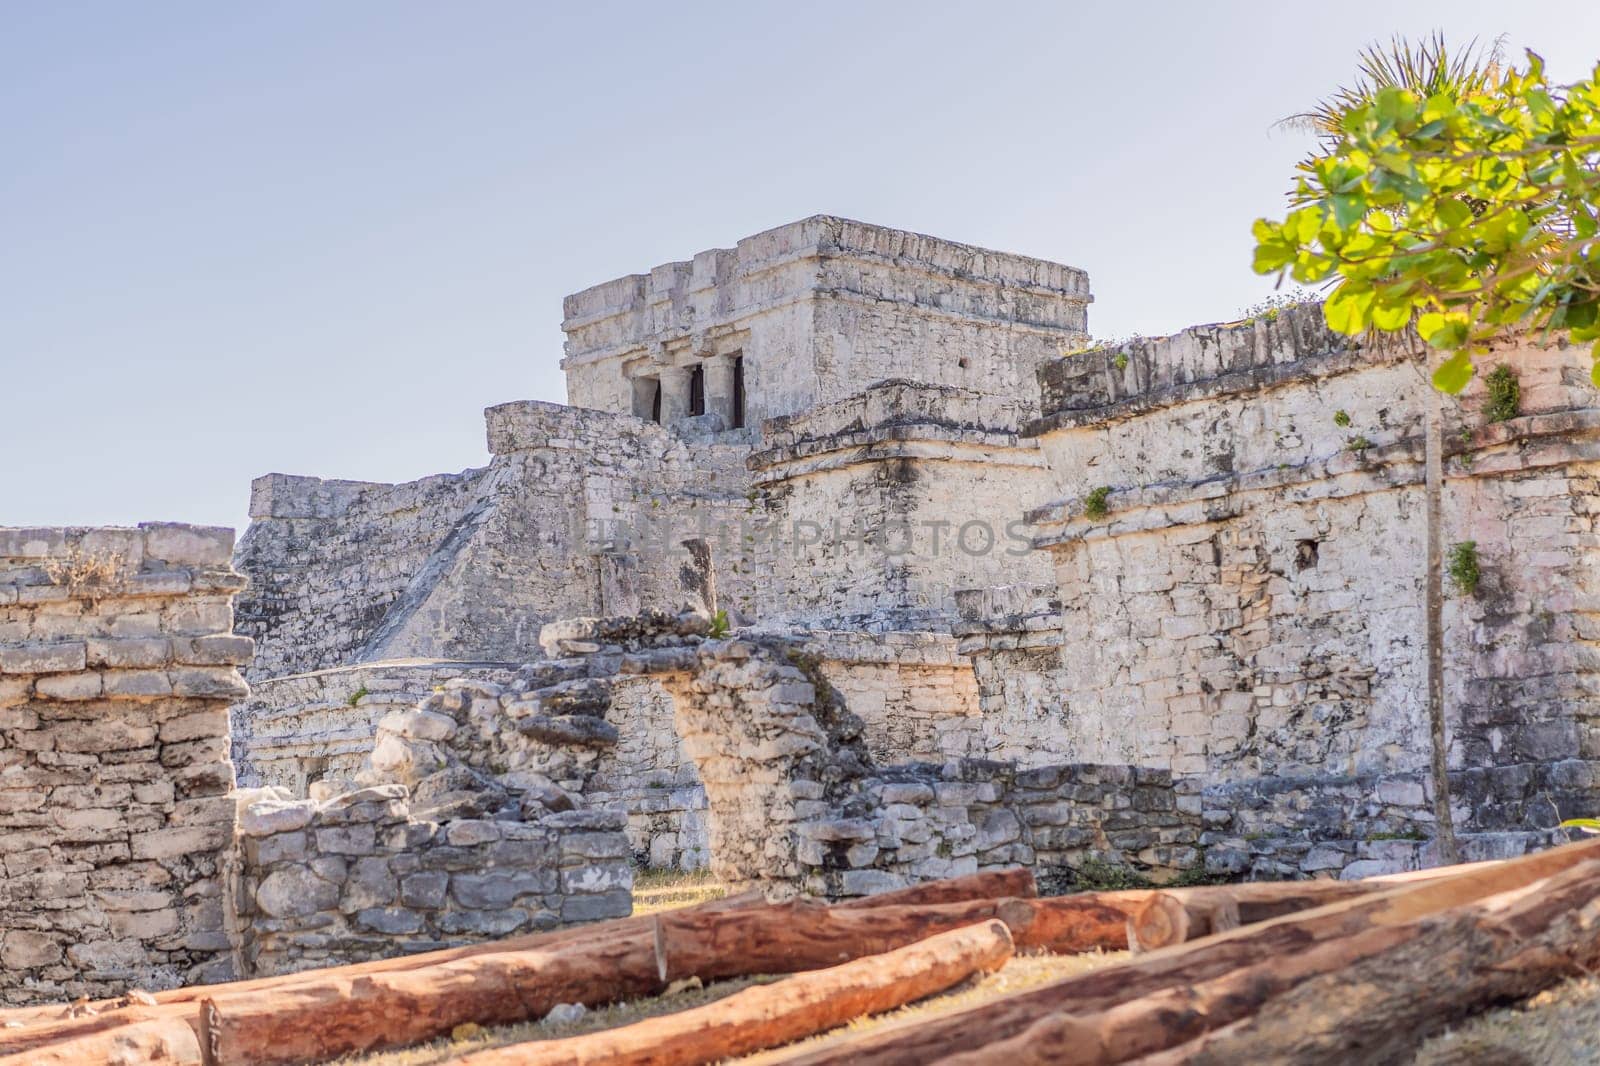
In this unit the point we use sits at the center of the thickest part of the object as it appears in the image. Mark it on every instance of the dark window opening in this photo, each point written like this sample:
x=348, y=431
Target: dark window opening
x=1305, y=555
x=738, y=392
x=697, y=391
x=655, y=404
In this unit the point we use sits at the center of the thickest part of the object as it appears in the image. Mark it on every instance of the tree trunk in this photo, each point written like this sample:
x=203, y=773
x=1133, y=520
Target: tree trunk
x=924, y=1041
x=770, y=1015
x=338, y=1014
x=992, y=884
x=798, y=935
x=162, y=1041
x=1177, y=915
x=1014, y=882
x=1065, y=925
x=1433, y=451
x=1379, y=1008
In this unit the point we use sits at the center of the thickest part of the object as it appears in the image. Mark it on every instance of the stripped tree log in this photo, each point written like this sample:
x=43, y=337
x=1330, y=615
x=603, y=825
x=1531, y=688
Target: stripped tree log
x=991, y=884
x=1372, y=996
x=163, y=1041
x=1015, y=882
x=1071, y=924
x=339, y=1014
x=805, y=935
x=1173, y=916
x=770, y=1015
x=1192, y=963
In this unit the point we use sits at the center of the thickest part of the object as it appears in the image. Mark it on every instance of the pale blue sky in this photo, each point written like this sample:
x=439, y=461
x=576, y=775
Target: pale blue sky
x=319, y=238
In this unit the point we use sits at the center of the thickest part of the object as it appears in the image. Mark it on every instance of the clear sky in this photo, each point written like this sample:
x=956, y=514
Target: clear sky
x=320, y=238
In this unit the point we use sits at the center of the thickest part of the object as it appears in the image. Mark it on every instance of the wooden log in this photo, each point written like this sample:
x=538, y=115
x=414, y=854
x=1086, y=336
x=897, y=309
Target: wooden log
x=340, y=1014
x=1172, y=916
x=1202, y=960
x=1369, y=997
x=53, y=1014
x=770, y=1015
x=805, y=935
x=1015, y=882
x=47, y=1025
x=798, y=935
x=1065, y=925
x=161, y=1041
x=991, y=884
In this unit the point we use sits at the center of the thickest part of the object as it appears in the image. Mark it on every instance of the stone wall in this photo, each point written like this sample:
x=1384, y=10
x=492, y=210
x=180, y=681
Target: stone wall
x=915, y=694
x=578, y=512
x=328, y=560
x=796, y=802
x=1248, y=612
x=117, y=665
x=360, y=877
x=889, y=501
x=318, y=728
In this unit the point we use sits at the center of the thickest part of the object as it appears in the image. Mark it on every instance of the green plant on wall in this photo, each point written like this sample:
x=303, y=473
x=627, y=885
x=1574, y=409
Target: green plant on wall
x=1463, y=567
x=1094, y=504
x=1505, y=395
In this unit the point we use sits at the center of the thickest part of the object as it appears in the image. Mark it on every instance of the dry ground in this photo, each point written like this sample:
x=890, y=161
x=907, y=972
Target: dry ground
x=1558, y=1028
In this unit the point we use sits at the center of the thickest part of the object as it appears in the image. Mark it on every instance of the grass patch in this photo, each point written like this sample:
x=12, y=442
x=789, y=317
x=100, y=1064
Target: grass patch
x=665, y=890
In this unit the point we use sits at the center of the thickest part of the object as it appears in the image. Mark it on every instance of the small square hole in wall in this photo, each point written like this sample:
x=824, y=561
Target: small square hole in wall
x=962, y=363
x=1305, y=555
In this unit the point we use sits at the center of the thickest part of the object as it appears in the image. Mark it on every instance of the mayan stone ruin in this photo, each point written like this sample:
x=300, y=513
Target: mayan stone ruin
x=849, y=565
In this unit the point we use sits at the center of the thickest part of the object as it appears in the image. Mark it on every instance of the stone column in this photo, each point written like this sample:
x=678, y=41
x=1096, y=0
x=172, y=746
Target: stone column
x=644, y=397
x=719, y=388
x=674, y=394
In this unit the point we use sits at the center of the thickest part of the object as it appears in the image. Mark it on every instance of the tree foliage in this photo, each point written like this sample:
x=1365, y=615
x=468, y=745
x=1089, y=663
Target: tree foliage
x=1453, y=194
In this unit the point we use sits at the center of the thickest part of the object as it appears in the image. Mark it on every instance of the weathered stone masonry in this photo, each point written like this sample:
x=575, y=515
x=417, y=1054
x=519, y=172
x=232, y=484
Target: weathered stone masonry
x=117, y=665
x=1245, y=617
x=1249, y=612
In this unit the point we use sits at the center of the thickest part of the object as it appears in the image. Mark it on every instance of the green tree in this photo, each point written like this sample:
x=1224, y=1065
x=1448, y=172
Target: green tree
x=1452, y=193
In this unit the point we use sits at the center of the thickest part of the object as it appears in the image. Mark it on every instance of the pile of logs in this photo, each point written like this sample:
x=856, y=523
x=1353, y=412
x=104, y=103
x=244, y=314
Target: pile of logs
x=1316, y=971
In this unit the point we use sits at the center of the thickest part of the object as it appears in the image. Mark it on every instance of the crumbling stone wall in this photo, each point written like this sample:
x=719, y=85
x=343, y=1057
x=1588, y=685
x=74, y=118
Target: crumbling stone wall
x=795, y=800
x=360, y=876
x=578, y=512
x=1249, y=610
x=117, y=665
x=301, y=730
x=328, y=560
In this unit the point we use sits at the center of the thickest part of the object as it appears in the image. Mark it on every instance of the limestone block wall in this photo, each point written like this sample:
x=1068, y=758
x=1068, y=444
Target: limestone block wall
x=117, y=664
x=579, y=512
x=795, y=800
x=328, y=560
x=890, y=501
x=820, y=309
x=916, y=696
x=360, y=877
x=650, y=777
x=319, y=728
x=1249, y=611
x=915, y=823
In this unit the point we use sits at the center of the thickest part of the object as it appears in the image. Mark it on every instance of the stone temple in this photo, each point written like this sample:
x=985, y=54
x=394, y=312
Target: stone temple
x=849, y=563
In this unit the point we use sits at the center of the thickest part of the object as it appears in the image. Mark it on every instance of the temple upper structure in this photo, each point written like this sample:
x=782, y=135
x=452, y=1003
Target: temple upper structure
x=813, y=312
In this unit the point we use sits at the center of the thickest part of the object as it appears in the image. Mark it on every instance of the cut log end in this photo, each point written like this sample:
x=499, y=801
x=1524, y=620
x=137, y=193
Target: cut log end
x=1162, y=921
